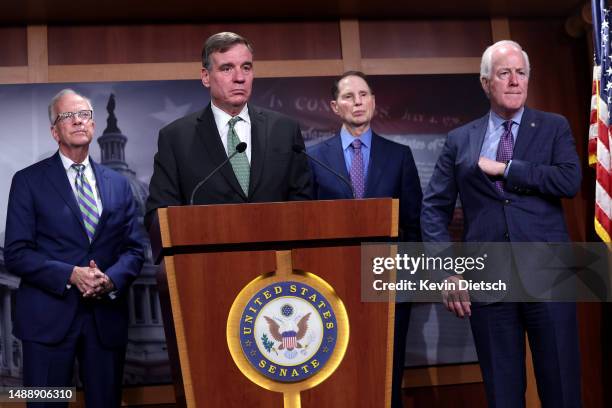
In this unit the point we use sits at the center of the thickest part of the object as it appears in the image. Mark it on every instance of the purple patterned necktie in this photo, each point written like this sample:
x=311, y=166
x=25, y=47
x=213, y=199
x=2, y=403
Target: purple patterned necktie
x=86, y=201
x=357, y=178
x=504, y=150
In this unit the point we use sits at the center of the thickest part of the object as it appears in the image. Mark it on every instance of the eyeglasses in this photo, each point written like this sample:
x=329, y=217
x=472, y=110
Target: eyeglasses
x=84, y=115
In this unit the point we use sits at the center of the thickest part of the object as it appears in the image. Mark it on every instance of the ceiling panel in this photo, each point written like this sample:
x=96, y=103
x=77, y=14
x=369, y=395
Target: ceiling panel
x=16, y=12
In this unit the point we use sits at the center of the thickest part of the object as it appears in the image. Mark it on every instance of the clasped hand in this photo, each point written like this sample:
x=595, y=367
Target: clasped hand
x=491, y=168
x=91, y=281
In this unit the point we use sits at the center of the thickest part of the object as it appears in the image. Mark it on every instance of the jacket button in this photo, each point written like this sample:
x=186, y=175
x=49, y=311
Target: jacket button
x=506, y=235
x=506, y=202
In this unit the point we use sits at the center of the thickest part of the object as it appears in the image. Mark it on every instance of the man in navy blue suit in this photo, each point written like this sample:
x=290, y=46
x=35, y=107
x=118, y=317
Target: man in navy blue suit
x=511, y=168
x=376, y=167
x=71, y=236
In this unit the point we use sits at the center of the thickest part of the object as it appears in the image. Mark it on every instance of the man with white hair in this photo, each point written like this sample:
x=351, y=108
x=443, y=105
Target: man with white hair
x=511, y=168
x=72, y=238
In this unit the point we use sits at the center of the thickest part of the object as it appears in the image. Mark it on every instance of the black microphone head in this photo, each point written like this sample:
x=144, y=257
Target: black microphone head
x=241, y=147
x=297, y=148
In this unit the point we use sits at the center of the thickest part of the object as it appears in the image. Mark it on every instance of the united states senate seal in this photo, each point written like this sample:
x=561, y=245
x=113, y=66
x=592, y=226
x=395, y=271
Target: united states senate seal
x=288, y=331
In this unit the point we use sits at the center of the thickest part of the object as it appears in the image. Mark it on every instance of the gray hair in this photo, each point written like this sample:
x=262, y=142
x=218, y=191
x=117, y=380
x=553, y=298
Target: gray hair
x=221, y=42
x=58, y=96
x=487, y=57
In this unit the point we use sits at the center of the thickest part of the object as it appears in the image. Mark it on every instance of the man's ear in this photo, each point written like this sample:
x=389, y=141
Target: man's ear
x=204, y=74
x=334, y=107
x=484, y=82
x=54, y=133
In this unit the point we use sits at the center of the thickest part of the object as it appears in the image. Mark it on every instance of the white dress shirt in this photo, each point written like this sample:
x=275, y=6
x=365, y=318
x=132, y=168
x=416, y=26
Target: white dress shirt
x=242, y=127
x=89, y=174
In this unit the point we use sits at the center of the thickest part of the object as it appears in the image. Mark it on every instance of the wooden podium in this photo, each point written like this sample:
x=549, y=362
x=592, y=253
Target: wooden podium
x=209, y=253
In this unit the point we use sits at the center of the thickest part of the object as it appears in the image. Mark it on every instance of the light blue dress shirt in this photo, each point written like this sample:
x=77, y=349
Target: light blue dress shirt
x=366, y=146
x=495, y=129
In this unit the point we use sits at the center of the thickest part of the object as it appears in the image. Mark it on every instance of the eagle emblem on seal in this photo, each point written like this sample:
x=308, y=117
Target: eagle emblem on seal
x=288, y=330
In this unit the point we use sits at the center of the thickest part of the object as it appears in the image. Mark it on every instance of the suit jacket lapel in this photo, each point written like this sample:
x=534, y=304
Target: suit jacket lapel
x=258, y=146
x=59, y=180
x=334, y=158
x=476, y=138
x=376, y=165
x=104, y=189
x=526, y=134
x=209, y=134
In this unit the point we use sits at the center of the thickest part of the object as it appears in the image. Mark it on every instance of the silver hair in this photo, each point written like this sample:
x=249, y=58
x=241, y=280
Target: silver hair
x=487, y=57
x=222, y=42
x=58, y=96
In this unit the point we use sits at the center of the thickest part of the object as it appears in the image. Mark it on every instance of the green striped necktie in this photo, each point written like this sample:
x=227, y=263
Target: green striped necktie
x=86, y=200
x=240, y=162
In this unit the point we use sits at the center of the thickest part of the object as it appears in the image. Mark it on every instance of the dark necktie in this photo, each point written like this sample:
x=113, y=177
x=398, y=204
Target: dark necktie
x=504, y=150
x=86, y=200
x=357, y=170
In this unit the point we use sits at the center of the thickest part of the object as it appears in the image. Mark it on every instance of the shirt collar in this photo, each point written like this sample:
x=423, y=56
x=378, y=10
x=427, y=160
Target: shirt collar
x=223, y=117
x=498, y=121
x=67, y=163
x=347, y=138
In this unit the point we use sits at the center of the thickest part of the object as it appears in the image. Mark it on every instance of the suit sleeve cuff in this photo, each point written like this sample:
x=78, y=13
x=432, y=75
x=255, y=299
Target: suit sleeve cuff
x=507, y=169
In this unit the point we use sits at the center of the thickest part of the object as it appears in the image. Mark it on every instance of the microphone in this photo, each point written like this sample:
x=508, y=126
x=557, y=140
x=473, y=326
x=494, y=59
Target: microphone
x=300, y=149
x=240, y=148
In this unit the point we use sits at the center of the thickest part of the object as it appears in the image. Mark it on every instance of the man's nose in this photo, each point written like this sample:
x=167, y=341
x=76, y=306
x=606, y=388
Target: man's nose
x=238, y=75
x=513, y=78
x=76, y=120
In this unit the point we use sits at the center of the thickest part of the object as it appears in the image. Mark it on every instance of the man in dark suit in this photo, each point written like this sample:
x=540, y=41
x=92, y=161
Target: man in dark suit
x=376, y=167
x=511, y=168
x=71, y=236
x=191, y=147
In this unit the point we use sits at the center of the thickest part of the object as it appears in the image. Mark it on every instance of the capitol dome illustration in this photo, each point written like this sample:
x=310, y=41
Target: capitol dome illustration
x=146, y=357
